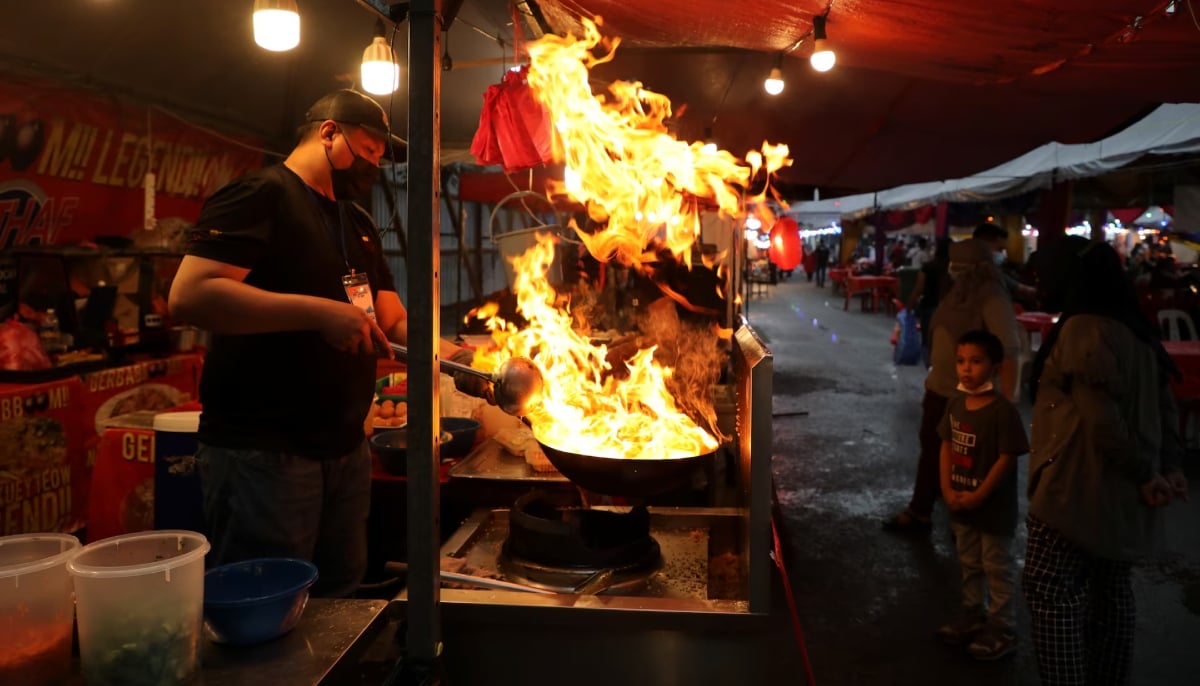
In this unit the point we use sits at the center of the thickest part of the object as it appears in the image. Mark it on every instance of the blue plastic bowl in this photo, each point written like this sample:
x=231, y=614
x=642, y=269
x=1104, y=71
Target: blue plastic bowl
x=462, y=432
x=254, y=601
x=392, y=449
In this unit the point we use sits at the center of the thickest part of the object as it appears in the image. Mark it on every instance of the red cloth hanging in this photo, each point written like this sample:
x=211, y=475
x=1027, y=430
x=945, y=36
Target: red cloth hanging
x=1127, y=215
x=923, y=214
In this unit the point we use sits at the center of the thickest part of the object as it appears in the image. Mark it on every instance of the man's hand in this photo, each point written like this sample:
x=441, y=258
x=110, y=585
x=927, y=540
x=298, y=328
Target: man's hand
x=469, y=383
x=1179, y=484
x=1157, y=491
x=349, y=329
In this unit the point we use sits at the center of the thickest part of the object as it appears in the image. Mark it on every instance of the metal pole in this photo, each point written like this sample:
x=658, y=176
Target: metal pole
x=424, y=210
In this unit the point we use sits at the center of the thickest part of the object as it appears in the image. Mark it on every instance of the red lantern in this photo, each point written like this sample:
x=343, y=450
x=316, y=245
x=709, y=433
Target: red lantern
x=786, y=250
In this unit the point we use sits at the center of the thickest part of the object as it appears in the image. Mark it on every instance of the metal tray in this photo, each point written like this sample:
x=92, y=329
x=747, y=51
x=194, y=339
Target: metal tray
x=489, y=460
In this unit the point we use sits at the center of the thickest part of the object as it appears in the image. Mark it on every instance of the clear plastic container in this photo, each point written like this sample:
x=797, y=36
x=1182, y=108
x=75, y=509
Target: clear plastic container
x=37, y=610
x=140, y=600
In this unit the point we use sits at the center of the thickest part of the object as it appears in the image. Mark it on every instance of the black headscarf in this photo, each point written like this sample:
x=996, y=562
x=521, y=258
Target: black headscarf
x=1079, y=276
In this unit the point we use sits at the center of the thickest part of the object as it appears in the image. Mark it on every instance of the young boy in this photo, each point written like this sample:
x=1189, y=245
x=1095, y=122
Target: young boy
x=982, y=437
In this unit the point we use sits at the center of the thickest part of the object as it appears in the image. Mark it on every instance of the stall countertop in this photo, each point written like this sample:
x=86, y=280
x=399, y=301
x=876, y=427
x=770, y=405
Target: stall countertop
x=329, y=631
x=489, y=460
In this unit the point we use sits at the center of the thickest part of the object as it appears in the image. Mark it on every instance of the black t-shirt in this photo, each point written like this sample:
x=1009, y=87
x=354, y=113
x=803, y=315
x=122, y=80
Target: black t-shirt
x=977, y=440
x=289, y=392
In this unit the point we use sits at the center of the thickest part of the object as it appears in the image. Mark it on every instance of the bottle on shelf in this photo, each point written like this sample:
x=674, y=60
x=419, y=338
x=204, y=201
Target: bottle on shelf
x=50, y=333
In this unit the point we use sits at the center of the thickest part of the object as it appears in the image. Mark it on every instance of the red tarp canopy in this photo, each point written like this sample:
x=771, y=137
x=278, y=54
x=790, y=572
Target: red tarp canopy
x=922, y=90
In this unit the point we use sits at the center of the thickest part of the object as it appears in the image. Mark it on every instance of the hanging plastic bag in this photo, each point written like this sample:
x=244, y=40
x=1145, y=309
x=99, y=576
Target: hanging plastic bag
x=518, y=124
x=20, y=348
x=484, y=145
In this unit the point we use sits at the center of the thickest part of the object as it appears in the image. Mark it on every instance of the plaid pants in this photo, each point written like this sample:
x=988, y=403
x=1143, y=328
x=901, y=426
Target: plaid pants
x=1082, y=610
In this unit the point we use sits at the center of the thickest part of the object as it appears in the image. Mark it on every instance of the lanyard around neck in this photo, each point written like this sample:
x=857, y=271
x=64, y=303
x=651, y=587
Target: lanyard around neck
x=338, y=231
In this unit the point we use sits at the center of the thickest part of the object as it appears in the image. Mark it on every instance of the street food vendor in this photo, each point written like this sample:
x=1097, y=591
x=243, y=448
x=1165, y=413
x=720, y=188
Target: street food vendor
x=289, y=275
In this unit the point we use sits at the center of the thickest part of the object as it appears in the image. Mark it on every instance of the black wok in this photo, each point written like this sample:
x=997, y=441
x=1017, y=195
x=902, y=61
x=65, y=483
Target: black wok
x=632, y=477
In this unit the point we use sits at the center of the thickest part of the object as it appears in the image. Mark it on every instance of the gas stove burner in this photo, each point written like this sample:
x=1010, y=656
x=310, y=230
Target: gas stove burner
x=572, y=550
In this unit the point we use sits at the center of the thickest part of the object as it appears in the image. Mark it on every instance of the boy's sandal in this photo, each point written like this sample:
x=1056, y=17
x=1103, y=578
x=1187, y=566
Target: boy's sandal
x=907, y=523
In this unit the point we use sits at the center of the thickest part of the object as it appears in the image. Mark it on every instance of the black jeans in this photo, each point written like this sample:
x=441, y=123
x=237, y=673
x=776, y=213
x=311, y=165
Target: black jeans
x=821, y=276
x=265, y=504
x=928, y=486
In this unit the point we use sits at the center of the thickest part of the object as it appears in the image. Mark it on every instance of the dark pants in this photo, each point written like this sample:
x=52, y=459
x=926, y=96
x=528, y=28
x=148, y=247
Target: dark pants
x=1082, y=611
x=928, y=487
x=265, y=504
x=821, y=275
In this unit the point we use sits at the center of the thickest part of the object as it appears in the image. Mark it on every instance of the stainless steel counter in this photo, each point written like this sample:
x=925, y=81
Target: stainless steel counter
x=329, y=632
x=490, y=461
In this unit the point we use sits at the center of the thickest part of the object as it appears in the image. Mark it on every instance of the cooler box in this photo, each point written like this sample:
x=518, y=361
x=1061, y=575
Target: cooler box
x=122, y=489
x=178, y=503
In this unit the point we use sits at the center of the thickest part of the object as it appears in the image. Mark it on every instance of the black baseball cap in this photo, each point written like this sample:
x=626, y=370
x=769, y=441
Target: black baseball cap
x=354, y=108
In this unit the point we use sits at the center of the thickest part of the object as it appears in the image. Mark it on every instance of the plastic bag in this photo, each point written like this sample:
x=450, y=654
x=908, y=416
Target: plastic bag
x=514, y=124
x=908, y=347
x=20, y=348
x=484, y=146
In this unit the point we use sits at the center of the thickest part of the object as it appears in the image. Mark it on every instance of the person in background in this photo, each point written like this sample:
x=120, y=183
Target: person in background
x=997, y=237
x=1139, y=267
x=821, y=262
x=899, y=254
x=918, y=253
x=982, y=437
x=976, y=300
x=932, y=284
x=1105, y=461
x=289, y=275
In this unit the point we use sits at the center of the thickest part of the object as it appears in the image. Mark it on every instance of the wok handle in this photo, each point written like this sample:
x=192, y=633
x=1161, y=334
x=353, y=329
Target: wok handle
x=481, y=582
x=492, y=583
x=447, y=365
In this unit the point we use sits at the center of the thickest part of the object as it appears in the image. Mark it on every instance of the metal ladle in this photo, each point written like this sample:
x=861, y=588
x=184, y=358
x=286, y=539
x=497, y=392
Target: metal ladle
x=514, y=384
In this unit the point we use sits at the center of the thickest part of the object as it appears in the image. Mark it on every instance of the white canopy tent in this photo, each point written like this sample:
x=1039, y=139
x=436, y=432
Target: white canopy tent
x=1171, y=129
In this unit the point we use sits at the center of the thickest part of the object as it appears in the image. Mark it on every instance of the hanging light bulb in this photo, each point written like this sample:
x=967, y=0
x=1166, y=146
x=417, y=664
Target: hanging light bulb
x=822, y=57
x=380, y=73
x=774, y=82
x=276, y=24
x=710, y=144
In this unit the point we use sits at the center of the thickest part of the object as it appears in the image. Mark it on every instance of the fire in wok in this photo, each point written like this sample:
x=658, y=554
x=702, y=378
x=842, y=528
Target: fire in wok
x=607, y=432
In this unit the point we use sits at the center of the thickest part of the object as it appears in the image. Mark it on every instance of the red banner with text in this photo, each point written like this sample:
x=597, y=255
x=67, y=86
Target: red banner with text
x=43, y=475
x=73, y=164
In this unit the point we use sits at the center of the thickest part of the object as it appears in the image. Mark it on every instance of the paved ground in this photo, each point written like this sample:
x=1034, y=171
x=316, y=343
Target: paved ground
x=869, y=601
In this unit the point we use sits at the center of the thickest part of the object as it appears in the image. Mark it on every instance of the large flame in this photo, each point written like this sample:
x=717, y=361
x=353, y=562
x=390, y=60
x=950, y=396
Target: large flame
x=641, y=185
x=584, y=408
x=622, y=162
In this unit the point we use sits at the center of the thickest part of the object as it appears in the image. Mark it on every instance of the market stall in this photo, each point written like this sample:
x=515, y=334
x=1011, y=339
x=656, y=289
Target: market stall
x=51, y=432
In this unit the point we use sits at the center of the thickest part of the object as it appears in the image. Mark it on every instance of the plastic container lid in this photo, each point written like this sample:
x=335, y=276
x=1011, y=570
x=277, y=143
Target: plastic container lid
x=78, y=566
x=68, y=546
x=177, y=422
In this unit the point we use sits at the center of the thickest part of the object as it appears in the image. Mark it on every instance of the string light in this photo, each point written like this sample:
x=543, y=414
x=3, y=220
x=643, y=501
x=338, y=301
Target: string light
x=276, y=24
x=823, y=57
x=380, y=73
x=774, y=83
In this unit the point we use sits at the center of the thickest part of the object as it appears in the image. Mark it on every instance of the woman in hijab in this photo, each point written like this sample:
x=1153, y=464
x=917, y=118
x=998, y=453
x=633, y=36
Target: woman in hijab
x=1104, y=461
x=977, y=299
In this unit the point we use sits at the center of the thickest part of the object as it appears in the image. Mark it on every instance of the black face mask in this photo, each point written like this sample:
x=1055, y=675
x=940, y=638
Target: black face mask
x=355, y=181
